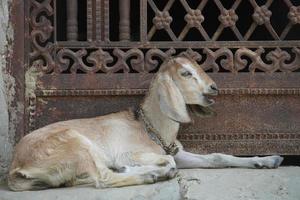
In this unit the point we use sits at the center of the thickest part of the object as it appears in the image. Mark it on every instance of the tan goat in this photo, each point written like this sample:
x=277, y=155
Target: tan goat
x=126, y=148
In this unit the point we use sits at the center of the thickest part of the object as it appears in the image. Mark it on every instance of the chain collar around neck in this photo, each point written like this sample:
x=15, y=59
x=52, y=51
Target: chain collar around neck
x=171, y=149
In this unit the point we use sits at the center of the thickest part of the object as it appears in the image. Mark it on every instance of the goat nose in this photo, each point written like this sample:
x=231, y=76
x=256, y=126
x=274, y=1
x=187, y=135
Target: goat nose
x=214, y=87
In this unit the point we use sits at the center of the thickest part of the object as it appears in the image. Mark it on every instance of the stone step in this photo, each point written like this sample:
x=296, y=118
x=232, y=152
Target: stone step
x=193, y=184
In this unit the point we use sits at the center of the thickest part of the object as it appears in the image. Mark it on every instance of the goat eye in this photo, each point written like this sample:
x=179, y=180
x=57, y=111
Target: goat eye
x=186, y=74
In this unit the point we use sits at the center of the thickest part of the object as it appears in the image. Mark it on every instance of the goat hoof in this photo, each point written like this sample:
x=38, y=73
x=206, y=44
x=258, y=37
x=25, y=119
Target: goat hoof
x=258, y=166
x=150, y=178
x=270, y=162
x=172, y=173
x=275, y=161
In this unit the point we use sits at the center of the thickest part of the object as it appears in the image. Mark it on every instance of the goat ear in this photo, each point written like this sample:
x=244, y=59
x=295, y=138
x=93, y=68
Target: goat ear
x=171, y=101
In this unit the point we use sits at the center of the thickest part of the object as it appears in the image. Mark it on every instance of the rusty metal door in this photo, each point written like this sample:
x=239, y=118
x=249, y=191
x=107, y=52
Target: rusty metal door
x=89, y=58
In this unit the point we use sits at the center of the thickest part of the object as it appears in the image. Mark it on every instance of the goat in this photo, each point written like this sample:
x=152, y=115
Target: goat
x=126, y=148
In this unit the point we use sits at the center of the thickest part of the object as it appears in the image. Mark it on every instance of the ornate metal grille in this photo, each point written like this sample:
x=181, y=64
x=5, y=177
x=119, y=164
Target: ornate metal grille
x=83, y=51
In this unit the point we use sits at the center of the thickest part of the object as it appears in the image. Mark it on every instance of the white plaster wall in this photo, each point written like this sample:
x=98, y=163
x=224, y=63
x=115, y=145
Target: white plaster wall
x=6, y=141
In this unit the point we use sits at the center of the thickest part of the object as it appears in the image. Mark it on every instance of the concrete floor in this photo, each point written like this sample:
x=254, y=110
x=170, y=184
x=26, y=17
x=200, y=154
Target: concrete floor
x=200, y=184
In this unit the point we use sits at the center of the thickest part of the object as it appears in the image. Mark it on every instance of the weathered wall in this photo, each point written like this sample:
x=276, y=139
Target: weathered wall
x=6, y=139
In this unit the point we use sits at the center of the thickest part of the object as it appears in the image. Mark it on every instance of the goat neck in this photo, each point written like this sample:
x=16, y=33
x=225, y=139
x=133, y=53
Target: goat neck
x=166, y=127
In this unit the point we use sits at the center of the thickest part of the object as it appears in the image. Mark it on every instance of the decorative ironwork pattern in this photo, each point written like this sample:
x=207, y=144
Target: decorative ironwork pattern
x=53, y=56
x=41, y=32
x=239, y=136
x=261, y=16
x=222, y=91
x=147, y=60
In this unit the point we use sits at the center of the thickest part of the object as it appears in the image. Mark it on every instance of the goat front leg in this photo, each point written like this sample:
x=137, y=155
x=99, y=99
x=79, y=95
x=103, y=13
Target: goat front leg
x=160, y=167
x=186, y=160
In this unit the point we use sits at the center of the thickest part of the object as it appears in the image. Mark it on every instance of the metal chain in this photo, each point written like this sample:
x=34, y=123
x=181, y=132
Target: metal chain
x=171, y=149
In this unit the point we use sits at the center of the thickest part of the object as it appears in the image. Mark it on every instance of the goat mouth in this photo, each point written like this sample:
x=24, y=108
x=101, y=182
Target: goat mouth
x=207, y=100
x=201, y=111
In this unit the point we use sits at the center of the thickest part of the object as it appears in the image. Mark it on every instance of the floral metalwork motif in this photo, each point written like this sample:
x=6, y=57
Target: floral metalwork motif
x=294, y=14
x=228, y=18
x=194, y=18
x=262, y=15
x=162, y=20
